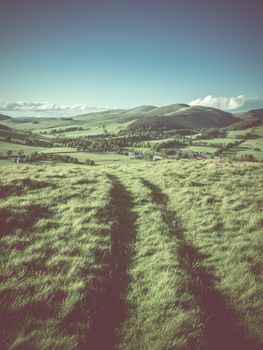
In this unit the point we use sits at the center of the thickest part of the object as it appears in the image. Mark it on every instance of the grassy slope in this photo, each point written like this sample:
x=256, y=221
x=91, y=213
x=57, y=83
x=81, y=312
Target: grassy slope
x=6, y=146
x=173, y=116
x=99, y=158
x=91, y=126
x=43, y=123
x=58, y=246
x=187, y=117
x=178, y=115
x=252, y=146
x=167, y=254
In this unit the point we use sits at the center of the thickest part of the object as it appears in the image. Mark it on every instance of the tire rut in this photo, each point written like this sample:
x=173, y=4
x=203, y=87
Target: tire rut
x=220, y=324
x=109, y=305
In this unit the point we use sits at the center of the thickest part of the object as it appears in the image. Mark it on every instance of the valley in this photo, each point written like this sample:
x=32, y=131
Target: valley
x=104, y=248
x=174, y=131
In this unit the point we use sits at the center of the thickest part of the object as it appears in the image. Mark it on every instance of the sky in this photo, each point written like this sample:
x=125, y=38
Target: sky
x=71, y=56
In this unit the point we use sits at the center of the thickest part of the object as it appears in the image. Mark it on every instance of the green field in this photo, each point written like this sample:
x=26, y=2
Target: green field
x=14, y=147
x=98, y=157
x=101, y=158
x=198, y=149
x=146, y=255
x=44, y=126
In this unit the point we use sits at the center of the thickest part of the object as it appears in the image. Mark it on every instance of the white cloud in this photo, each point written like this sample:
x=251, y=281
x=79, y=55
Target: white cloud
x=39, y=106
x=229, y=103
x=44, y=109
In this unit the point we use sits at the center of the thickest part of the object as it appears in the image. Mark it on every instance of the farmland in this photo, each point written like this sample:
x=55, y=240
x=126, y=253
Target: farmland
x=130, y=253
x=107, y=149
x=161, y=256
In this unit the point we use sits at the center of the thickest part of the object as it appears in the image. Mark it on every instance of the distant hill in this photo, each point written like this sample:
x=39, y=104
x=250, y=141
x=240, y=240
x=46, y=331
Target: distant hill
x=253, y=113
x=187, y=117
x=126, y=115
x=176, y=116
x=166, y=110
x=248, y=119
x=4, y=117
x=141, y=109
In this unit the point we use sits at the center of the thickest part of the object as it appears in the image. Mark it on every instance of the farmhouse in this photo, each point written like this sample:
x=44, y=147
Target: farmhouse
x=155, y=158
x=15, y=159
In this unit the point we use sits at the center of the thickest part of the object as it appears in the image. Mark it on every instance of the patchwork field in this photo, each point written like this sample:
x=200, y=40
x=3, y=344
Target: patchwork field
x=140, y=256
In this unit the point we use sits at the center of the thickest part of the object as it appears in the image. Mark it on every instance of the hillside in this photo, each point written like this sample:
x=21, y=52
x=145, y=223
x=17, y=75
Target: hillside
x=253, y=113
x=176, y=116
x=4, y=127
x=187, y=117
x=4, y=117
x=117, y=121
x=124, y=115
x=160, y=256
x=166, y=110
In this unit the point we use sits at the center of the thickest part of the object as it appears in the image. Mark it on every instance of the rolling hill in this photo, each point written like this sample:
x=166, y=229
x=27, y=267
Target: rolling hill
x=4, y=117
x=173, y=116
x=126, y=115
x=186, y=117
x=253, y=113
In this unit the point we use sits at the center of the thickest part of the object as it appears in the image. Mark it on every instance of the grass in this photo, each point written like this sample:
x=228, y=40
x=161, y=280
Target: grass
x=132, y=256
x=198, y=149
x=100, y=157
x=217, y=140
x=47, y=125
x=6, y=146
x=58, y=247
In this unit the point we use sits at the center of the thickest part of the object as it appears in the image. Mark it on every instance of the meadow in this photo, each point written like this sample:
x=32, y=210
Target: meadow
x=132, y=256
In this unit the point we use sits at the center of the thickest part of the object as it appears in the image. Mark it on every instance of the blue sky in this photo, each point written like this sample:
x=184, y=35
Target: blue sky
x=128, y=53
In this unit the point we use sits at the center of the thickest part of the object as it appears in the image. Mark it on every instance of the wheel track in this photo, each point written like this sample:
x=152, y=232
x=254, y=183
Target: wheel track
x=109, y=305
x=220, y=323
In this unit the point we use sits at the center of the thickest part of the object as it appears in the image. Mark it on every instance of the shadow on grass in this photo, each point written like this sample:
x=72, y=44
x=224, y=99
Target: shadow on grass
x=24, y=219
x=109, y=307
x=18, y=187
x=220, y=323
x=17, y=281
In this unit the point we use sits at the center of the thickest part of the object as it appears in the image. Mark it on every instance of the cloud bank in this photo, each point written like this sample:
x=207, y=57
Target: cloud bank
x=235, y=104
x=44, y=109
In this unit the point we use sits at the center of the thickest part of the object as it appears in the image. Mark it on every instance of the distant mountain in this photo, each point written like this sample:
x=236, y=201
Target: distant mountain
x=4, y=117
x=187, y=117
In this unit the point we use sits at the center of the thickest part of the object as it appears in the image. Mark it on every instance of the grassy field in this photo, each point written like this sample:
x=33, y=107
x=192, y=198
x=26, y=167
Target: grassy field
x=99, y=158
x=140, y=256
x=14, y=147
x=198, y=149
x=47, y=125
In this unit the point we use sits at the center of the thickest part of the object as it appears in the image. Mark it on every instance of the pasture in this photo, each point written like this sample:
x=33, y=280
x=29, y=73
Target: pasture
x=139, y=256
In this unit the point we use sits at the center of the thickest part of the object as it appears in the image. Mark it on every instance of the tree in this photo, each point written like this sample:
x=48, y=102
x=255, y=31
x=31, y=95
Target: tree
x=89, y=162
